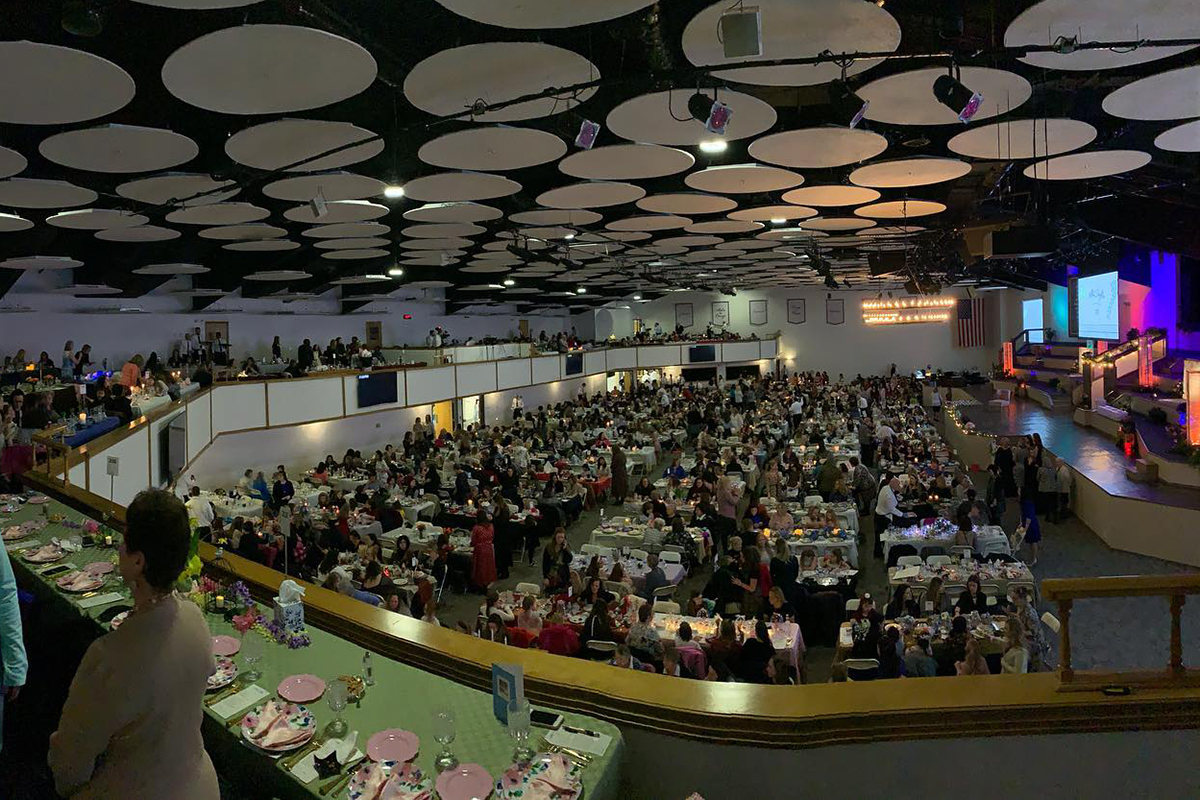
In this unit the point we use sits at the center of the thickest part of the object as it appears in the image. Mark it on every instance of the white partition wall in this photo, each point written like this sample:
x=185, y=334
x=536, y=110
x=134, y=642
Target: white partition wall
x=513, y=373
x=621, y=358
x=430, y=385
x=238, y=407
x=289, y=402
x=546, y=368
x=199, y=425
x=768, y=348
x=660, y=356
x=739, y=351
x=594, y=362
x=133, y=469
x=477, y=378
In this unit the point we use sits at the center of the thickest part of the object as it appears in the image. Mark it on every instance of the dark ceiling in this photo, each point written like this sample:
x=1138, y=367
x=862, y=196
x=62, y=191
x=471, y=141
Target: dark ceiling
x=635, y=54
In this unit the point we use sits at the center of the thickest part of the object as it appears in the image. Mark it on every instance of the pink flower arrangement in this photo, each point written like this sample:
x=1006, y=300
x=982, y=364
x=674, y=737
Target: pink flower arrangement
x=91, y=526
x=244, y=622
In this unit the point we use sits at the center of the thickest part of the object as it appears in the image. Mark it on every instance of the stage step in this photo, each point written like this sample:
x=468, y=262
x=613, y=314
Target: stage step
x=1143, y=471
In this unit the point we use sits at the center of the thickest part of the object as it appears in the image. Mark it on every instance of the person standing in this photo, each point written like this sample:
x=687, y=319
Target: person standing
x=201, y=511
x=131, y=724
x=483, y=554
x=12, y=643
x=620, y=478
x=1065, y=479
x=1029, y=519
x=886, y=510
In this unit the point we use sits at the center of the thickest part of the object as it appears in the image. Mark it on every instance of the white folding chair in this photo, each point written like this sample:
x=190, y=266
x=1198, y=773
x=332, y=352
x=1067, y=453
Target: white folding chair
x=851, y=606
x=962, y=551
x=666, y=591
x=1051, y=622
x=591, y=549
x=1028, y=585
x=813, y=500
x=602, y=647
x=665, y=607
x=951, y=591
x=638, y=553
x=673, y=548
x=938, y=561
x=863, y=667
x=670, y=557
x=617, y=588
x=529, y=588
x=908, y=561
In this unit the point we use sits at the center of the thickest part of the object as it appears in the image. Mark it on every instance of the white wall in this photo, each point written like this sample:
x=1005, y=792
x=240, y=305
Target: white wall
x=252, y=322
x=849, y=348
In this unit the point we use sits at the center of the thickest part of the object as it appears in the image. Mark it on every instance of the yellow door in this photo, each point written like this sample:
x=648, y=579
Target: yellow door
x=443, y=416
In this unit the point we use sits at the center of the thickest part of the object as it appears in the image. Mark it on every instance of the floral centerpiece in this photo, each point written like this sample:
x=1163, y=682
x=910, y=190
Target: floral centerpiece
x=246, y=614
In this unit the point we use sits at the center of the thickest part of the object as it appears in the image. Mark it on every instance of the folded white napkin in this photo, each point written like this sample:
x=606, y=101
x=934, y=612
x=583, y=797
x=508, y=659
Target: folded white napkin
x=67, y=544
x=306, y=771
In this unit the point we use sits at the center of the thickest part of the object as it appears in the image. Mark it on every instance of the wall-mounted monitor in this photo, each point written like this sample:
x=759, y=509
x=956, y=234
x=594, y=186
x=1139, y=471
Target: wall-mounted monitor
x=574, y=364
x=1096, y=303
x=699, y=353
x=377, y=389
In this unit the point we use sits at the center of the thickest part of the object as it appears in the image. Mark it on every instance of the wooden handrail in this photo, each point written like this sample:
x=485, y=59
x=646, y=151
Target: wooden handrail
x=1065, y=591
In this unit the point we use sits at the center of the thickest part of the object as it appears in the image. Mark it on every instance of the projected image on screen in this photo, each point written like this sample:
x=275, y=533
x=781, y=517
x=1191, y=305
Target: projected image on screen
x=1098, y=307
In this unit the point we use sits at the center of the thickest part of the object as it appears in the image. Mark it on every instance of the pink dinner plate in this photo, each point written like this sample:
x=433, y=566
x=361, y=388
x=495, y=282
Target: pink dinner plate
x=301, y=688
x=393, y=744
x=99, y=568
x=225, y=645
x=464, y=782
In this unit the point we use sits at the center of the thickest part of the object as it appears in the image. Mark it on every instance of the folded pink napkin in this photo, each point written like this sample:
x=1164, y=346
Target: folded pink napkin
x=80, y=581
x=282, y=735
x=556, y=779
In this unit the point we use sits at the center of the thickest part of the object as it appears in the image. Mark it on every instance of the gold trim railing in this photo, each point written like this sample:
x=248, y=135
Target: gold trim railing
x=1065, y=591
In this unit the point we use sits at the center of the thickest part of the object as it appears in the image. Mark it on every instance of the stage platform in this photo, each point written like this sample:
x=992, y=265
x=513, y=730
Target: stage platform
x=1159, y=519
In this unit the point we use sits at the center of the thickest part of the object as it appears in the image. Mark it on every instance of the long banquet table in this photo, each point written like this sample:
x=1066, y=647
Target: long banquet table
x=402, y=697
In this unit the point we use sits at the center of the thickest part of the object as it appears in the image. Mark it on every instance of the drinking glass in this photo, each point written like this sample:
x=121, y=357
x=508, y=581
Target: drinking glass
x=337, y=697
x=518, y=729
x=443, y=733
x=252, y=652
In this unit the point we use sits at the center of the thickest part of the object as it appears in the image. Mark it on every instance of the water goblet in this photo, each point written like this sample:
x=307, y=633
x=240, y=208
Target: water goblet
x=252, y=652
x=337, y=696
x=518, y=729
x=443, y=733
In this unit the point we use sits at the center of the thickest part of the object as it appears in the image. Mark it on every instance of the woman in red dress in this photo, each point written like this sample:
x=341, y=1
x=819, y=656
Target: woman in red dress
x=483, y=556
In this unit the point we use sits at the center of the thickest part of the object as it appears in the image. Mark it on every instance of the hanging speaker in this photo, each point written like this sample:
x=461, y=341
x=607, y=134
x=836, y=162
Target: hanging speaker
x=741, y=32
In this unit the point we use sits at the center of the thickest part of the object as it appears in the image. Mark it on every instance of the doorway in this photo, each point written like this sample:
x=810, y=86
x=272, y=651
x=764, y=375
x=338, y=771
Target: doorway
x=443, y=416
x=471, y=411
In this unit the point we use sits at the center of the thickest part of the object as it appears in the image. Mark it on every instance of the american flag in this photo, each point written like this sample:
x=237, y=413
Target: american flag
x=971, y=325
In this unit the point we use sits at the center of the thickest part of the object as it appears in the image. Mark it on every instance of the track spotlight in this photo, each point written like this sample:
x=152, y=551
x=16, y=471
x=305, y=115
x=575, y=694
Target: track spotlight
x=713, y=113
x=848, y=107
x=951, y=93
x=393, y=192
x=714, y=146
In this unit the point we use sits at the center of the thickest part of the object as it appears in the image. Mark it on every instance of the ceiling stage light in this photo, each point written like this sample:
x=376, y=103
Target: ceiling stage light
x=395, y=272
x=951, y=93
x=393, y=192
x=714, y=146
x=848, y=107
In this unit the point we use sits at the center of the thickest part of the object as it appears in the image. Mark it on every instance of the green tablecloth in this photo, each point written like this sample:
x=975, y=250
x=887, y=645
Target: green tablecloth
x=402, y=697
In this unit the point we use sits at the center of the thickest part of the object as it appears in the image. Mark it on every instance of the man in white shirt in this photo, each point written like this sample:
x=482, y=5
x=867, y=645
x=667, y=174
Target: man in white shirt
x=886, y=511
x=796, y=410
x=200, y=510
x=246, y=482
x=885, y=432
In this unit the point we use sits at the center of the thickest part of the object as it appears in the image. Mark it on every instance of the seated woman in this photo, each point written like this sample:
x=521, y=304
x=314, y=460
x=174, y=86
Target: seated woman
x=594, y=592
x=834, y=559
x=756, y=654
x=643, y=489
x=1016, y=652
x=781, y=521
x=756, y=517
x=527, y=618
x=973, y=662
x=725, y=648
x=320, y=474
x=777, y=608
x=491, y=606
x=965, y=535
x=617, y=575
x=972, y=599
x=901, y=605
x=814, y=518
x=808, y=560
x=598, y=626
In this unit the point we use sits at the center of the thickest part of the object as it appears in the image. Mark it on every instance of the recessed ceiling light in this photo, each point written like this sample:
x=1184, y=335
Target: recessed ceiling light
x=637, y=297
x=393, y=192
x=580, y=290
x=395, y=272
x=714, y=146
x=509, y=282
x=777, y=220
x=569, y=236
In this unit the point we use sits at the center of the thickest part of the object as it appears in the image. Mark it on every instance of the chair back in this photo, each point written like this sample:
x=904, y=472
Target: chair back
x=898, y=550
x=529, y=588
x=670, y=557
x=591, y=549
x=638, y=553
x=666, y=591
x=908, y=561
x=602, y=647
x=938, y=561
x=673, y=548
x=1051, y=622
x=862, y=669
x=694, y=659
x=951, y=591
x=813, y=500
x=1030, y=586
x=962, y=551
x=665, y=607
x=851, y=606
x=617, y=588
x=607, y=552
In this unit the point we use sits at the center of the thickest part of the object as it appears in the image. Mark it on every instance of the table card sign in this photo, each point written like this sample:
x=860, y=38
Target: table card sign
x=508, y=689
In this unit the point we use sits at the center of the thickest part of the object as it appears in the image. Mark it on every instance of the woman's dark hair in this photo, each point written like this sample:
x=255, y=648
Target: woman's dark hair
x=374, y=570
x=898, y=596
x=959, y=625
x=761, y=633
x=481, y=517
x=156, y=525
x=685, y=632
x=600, y=609
x=644, y=613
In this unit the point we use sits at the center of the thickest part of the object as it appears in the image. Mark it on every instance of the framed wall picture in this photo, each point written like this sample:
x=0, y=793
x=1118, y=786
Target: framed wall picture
x=835, y=312
x=683, y=315
x=758, y=312
x=720, y=313
x=795, y=311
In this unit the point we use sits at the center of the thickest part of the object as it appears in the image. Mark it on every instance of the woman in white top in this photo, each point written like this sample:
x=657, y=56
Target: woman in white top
x=131, y=723
x=1016, y=654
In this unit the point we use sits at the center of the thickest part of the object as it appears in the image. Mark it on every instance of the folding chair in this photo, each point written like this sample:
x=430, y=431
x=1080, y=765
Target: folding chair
x=665, y=607
x=529, y=588
x=909, y=561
